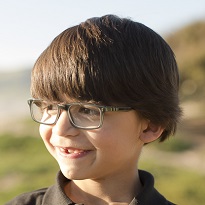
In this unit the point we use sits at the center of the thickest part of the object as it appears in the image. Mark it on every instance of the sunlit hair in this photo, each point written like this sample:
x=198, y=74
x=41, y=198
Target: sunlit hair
x=112, y=60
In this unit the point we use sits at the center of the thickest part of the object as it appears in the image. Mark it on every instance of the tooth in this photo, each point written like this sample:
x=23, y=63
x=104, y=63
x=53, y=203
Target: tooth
x=71, y=151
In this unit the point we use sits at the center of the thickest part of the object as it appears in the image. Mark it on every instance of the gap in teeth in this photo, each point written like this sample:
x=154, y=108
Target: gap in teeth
x=75, y=151
x=70, y=151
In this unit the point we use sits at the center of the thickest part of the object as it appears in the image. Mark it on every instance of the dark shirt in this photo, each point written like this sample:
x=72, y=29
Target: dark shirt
x=55, y=194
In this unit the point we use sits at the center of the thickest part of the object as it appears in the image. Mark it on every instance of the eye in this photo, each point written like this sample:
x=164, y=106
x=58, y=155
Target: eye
x=51, y=109
x=88, y=110
x=47, y=108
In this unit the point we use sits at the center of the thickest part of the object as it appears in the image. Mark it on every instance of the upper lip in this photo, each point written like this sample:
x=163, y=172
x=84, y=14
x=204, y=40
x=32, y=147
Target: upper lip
x=73, y=148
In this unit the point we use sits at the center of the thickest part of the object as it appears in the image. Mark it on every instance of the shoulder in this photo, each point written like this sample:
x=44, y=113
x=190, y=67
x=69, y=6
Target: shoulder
x=148, y=194
x=30, y=198
x=52, y=195
x=170, y=203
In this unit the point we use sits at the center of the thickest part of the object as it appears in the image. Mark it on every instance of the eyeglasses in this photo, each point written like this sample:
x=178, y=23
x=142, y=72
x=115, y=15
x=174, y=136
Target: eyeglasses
x=81, y=115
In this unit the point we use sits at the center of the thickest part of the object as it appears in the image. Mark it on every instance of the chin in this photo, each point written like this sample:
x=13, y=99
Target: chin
x=71, y=174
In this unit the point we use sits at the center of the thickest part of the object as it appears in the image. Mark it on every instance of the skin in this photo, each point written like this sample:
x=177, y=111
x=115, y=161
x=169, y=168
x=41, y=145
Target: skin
x=102, y=163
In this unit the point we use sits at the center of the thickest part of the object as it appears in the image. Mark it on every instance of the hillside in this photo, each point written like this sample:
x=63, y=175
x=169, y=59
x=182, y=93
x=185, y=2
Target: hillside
x=189, y=46
x=14, y=90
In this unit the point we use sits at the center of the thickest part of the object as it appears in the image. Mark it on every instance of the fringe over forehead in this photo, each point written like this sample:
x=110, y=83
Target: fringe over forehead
x=78, y=63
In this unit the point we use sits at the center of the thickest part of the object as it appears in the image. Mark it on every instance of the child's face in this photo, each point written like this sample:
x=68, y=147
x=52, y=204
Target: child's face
x=112, y=150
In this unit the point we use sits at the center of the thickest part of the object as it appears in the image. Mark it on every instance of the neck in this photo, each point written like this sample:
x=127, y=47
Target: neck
x=116, y=190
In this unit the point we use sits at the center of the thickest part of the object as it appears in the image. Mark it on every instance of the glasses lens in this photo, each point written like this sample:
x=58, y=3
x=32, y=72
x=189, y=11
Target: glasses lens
x=85, y=116
x=43, y=112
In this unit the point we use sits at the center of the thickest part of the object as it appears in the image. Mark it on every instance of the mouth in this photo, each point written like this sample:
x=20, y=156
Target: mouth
x=70, y=152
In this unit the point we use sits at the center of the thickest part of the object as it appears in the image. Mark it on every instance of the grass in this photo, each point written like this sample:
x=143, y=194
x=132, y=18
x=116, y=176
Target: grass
x=178, y=185
x=174, y=144
x=26, y=165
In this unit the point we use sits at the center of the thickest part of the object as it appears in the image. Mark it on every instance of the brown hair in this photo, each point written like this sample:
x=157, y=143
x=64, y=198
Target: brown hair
x=112, y=60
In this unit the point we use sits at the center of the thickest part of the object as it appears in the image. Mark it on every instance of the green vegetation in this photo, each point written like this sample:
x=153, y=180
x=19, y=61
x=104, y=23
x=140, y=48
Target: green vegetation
x=179, y=185
x=25, y=166
x=175, y=144
x=188, y=45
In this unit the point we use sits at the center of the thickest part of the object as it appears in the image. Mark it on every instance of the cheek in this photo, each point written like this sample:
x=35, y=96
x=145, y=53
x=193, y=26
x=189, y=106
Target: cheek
x=45, y=132
x=110, y=139
x=118, y=135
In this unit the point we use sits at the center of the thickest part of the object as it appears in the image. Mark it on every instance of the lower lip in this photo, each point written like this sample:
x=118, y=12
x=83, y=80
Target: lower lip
x=72, y=155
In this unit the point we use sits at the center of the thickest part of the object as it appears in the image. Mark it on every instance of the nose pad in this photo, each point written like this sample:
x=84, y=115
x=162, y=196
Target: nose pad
x=63, y=126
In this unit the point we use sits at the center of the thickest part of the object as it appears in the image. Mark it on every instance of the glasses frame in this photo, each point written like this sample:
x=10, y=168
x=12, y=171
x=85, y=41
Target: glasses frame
x=66, y=107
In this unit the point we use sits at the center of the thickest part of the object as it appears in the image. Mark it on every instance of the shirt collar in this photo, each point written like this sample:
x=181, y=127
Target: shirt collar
x=148, y=195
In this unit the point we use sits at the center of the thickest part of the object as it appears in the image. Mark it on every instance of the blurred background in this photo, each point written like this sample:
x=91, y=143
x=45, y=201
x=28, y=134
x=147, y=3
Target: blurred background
x=27, y=28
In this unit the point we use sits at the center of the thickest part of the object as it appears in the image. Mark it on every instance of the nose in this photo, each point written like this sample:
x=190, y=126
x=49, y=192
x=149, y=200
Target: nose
x=63, y=127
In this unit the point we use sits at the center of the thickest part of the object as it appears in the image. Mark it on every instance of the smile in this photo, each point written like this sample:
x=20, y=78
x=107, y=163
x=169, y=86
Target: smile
x=72, y=153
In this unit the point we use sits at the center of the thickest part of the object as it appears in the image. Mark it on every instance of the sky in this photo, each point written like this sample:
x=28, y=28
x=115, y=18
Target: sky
x=27, y=27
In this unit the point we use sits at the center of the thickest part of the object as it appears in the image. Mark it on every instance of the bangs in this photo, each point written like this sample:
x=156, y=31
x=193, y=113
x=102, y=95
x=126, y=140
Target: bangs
x=73, y=67
x=53, y=82
x=77, y=84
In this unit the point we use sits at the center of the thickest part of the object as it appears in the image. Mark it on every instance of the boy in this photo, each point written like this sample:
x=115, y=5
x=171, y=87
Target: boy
x=102, y=90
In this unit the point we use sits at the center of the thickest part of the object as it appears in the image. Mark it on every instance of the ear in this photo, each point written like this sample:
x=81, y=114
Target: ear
x=151, y=133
